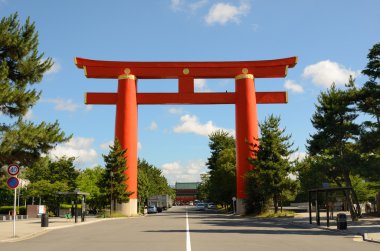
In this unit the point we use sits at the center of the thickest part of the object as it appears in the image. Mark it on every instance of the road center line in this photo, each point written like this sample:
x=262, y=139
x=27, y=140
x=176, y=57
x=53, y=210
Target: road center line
x=188, y=243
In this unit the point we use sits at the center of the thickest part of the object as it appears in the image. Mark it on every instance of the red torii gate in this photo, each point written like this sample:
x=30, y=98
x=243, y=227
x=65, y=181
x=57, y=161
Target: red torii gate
x=127, y=99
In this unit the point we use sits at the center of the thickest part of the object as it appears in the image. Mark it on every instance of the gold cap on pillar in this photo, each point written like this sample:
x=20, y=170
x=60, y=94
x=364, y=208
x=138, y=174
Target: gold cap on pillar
x=243, y=76
x=127, y=76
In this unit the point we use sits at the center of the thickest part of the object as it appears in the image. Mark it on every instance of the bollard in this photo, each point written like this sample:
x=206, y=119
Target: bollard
x=341, y=221
x=44, y=220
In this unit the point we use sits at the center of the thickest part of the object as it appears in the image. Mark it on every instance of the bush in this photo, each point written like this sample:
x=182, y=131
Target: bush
x=19, y=210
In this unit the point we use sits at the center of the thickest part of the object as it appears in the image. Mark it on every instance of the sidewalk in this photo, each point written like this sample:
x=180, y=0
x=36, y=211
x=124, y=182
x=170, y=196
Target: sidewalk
x=26, y=229
x=367, y=227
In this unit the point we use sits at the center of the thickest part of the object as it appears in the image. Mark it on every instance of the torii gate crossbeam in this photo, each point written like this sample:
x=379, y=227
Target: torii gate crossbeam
x=127, y=99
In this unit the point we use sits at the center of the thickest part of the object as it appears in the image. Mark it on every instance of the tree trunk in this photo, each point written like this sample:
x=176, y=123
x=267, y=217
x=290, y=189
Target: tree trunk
x=275, y=202
x=353, y=199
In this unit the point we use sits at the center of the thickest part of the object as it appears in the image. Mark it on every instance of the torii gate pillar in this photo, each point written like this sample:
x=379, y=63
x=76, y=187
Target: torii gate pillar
x=246, y=132
x=126, y=133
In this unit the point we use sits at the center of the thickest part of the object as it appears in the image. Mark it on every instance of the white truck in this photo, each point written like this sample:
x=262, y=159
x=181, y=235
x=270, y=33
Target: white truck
x=162, y=202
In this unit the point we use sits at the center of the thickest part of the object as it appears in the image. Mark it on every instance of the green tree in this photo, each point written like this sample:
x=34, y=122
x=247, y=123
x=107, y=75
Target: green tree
x=88, y=181
x=48, y=177
x=222, y=168
x=368, y=101
x=334, y=141
x=114, y=178
x=310, y=172
x=22, y=66
x=150, y=181
x=270, y=178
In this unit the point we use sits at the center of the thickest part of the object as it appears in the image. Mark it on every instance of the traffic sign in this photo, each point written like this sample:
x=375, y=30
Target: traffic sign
x=13, y=182
x=13, y=169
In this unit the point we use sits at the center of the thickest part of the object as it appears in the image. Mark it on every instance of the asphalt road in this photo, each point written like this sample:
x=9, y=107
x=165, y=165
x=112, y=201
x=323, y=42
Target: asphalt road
x=207, y=231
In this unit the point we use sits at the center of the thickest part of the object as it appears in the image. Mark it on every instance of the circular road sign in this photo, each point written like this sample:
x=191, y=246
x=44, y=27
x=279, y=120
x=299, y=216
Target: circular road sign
x=13, y=182
x=13, y=169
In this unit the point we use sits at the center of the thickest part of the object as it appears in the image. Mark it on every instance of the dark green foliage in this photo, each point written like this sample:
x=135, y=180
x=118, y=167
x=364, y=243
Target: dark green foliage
x=222, y=168
x=6, y=194
x=150, y=181
x=21, y=210
x=334, y=140
x=368, y=101
x=116, y=165
x=22, y=66
x=270, y=177
x=25, y=141
x=48, y=177
x=88, y=181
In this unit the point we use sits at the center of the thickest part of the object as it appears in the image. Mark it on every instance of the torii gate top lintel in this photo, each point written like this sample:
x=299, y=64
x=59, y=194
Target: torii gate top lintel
x=276, y=68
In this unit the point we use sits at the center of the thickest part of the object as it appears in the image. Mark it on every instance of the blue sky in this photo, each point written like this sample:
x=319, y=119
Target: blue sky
x=330, y=38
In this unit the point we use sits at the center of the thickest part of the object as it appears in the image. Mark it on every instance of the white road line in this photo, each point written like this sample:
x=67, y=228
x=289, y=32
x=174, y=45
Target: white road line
x=188, y=243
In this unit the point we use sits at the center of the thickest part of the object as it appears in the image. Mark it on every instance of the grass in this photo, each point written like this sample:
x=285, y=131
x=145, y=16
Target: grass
x=106, y=214
x=272, y=214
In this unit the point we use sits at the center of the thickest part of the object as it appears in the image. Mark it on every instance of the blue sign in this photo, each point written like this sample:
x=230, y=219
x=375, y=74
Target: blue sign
x=13, y=182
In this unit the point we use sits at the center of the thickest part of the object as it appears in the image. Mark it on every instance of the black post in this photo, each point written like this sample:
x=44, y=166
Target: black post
x=76, y=209
x=317, y=208
x=310, y=219
x=327, y=209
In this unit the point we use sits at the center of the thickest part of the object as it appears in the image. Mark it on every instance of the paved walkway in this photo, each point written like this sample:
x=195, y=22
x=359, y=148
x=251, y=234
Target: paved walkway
x=367, y=228
x=26, y=229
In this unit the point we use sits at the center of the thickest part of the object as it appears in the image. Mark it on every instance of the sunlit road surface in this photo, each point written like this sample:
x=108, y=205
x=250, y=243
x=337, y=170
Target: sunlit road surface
x=185, y=228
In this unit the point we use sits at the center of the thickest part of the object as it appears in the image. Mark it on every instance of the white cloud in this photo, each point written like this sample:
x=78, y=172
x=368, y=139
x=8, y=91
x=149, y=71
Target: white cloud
x=293, y=86
x=176, y=110
x=190, y=124
x=298, y=155
x=139, y=146
x=176, y=172
x=176, y=5
x=153, y=126
x=88, y=108
x=183, y=5
x=55, y=68
x=222, y=13
x=106, y=145
x=326, y=72
x=200, y=85
x=78, y=147
x=63, y=105
x=29, y=115
x=197, y=5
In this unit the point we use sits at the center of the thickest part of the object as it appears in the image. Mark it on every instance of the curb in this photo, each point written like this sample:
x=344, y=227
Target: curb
x=48, y=229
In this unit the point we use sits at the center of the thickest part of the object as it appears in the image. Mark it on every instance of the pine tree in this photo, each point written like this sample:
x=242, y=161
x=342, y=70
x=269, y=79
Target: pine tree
x=368, y=100
x=22, y=66
x=333, y=144
x=114, y=179
x=270, y=178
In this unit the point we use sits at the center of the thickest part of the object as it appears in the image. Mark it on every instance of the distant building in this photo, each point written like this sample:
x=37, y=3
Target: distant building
x=186, y=191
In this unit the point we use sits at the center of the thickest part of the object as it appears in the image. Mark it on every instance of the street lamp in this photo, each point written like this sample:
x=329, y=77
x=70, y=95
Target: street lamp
x=111, y=192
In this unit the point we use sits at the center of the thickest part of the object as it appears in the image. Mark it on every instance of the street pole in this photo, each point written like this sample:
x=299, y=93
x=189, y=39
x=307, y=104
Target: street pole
x=14, y=216
x=111, y=193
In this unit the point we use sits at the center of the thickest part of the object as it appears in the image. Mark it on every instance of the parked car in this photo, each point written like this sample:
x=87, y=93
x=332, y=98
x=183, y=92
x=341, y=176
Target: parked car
x=211, y=206
x=152, y=210
x=201, y=206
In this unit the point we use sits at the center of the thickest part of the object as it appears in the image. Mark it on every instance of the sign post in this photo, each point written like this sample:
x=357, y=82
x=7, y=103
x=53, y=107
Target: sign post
x=233, y=204
x=13, y=183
